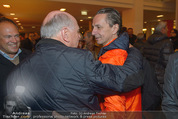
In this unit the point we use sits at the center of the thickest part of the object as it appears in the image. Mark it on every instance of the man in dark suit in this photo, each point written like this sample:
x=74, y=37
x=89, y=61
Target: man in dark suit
x=10, y=53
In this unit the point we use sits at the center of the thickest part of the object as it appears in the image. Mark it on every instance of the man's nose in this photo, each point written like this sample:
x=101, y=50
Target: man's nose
x=93, y=31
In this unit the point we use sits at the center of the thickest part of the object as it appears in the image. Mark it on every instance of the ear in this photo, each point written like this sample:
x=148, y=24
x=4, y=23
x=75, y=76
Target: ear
x=115, y=28
x=65, y=34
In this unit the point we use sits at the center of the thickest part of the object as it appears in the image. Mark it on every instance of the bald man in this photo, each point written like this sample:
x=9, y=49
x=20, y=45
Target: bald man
x=59, y=76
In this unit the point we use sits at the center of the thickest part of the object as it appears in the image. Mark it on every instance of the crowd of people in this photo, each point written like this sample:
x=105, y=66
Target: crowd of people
x=109, y=69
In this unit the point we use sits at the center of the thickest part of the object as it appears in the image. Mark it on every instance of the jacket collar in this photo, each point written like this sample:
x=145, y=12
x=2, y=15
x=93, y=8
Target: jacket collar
x=122, y=42
x=49, y=41
x=156, y=37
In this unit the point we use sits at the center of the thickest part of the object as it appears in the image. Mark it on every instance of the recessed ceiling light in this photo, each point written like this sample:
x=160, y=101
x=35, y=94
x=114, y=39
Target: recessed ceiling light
x=15, y=18
x=158, y=20
x=12, y=13
x=145, y=22
x=6, y=6
x=33, y=27
x=160, y=16
x=83, y=12
x=63, y=9
x=89, y=17
x=81, y=20
x=17, y=21
x=19, y=24
x=144, y=29
x=21, y=27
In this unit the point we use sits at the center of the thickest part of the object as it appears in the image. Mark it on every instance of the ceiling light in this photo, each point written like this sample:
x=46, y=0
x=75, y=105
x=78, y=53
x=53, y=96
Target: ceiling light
x=17, y=21
x=158, y=20
x=144, y=29
x=33, y=27
x=81, y=20
x=21, y=27
x=19, y=24
x=12, y=13
x=63, y=9
x=160, y=16
x=89, y=17
x=15, y=18
x=153, y=29
x=83, y=12
x=6, y=6
x=145, y=22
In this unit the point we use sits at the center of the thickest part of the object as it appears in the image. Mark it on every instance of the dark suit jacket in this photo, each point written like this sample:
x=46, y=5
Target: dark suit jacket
x=6, y=67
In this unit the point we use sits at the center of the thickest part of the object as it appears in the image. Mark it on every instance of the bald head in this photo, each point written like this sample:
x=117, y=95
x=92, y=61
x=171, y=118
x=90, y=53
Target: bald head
x=61, y=26
x=52, y=14
x=55, y=21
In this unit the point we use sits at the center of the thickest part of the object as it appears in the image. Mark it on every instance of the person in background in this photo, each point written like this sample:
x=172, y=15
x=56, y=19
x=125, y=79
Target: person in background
x=140, y=41
x=30, y=42
x=81, y=43
x=174, y=38
x=10, y=53
x=107, y=24
x=157, y=50
x=132, y=37
x=61, y=77
x=123, y=29
x=91, y=45
x=170, y=88
x=22, y=36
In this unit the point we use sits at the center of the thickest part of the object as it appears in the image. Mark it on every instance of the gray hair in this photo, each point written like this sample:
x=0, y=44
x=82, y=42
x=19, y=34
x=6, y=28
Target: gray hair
x=140, y=36
x=53, y=26
x=160, y=26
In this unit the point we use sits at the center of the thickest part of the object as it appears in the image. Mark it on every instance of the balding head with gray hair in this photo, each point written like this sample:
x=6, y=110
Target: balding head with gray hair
x=54, y=22
x=160, y=26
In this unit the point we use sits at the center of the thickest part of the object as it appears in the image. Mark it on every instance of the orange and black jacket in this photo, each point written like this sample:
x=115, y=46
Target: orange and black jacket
x=115, y=52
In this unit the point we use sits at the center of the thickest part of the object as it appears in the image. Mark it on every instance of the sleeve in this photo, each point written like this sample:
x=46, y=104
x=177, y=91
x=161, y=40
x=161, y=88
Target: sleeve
x=106, y=78
x=166, y=52
x=170, y=101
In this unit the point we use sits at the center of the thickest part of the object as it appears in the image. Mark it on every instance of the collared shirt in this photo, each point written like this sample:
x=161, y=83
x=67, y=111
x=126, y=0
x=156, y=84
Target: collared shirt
x=7, y=56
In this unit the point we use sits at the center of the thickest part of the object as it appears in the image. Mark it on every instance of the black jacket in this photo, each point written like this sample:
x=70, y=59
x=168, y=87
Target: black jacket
x=157, y=50
x=170, y=88
x=57, y=77
x=6, y=67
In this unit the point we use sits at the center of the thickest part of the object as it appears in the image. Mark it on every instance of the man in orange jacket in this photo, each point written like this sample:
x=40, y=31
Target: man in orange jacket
x=106, y=28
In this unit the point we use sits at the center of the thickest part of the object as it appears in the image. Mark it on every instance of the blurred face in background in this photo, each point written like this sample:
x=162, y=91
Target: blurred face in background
x=9, y=38
x=164, y=30
x=31, y=36
x=88, y=39
x=172, y=34
x=130, y=31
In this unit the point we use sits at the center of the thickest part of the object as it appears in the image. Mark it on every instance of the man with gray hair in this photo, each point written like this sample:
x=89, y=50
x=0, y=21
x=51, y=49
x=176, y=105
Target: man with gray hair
x=157, y=50
x=59, y=76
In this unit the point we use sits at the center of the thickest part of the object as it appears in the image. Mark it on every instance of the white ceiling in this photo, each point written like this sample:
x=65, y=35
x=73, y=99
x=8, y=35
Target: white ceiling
x=32, y=12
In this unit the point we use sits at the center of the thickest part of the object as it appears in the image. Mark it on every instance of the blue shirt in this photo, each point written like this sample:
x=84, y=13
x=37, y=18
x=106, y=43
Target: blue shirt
x=7, y=56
